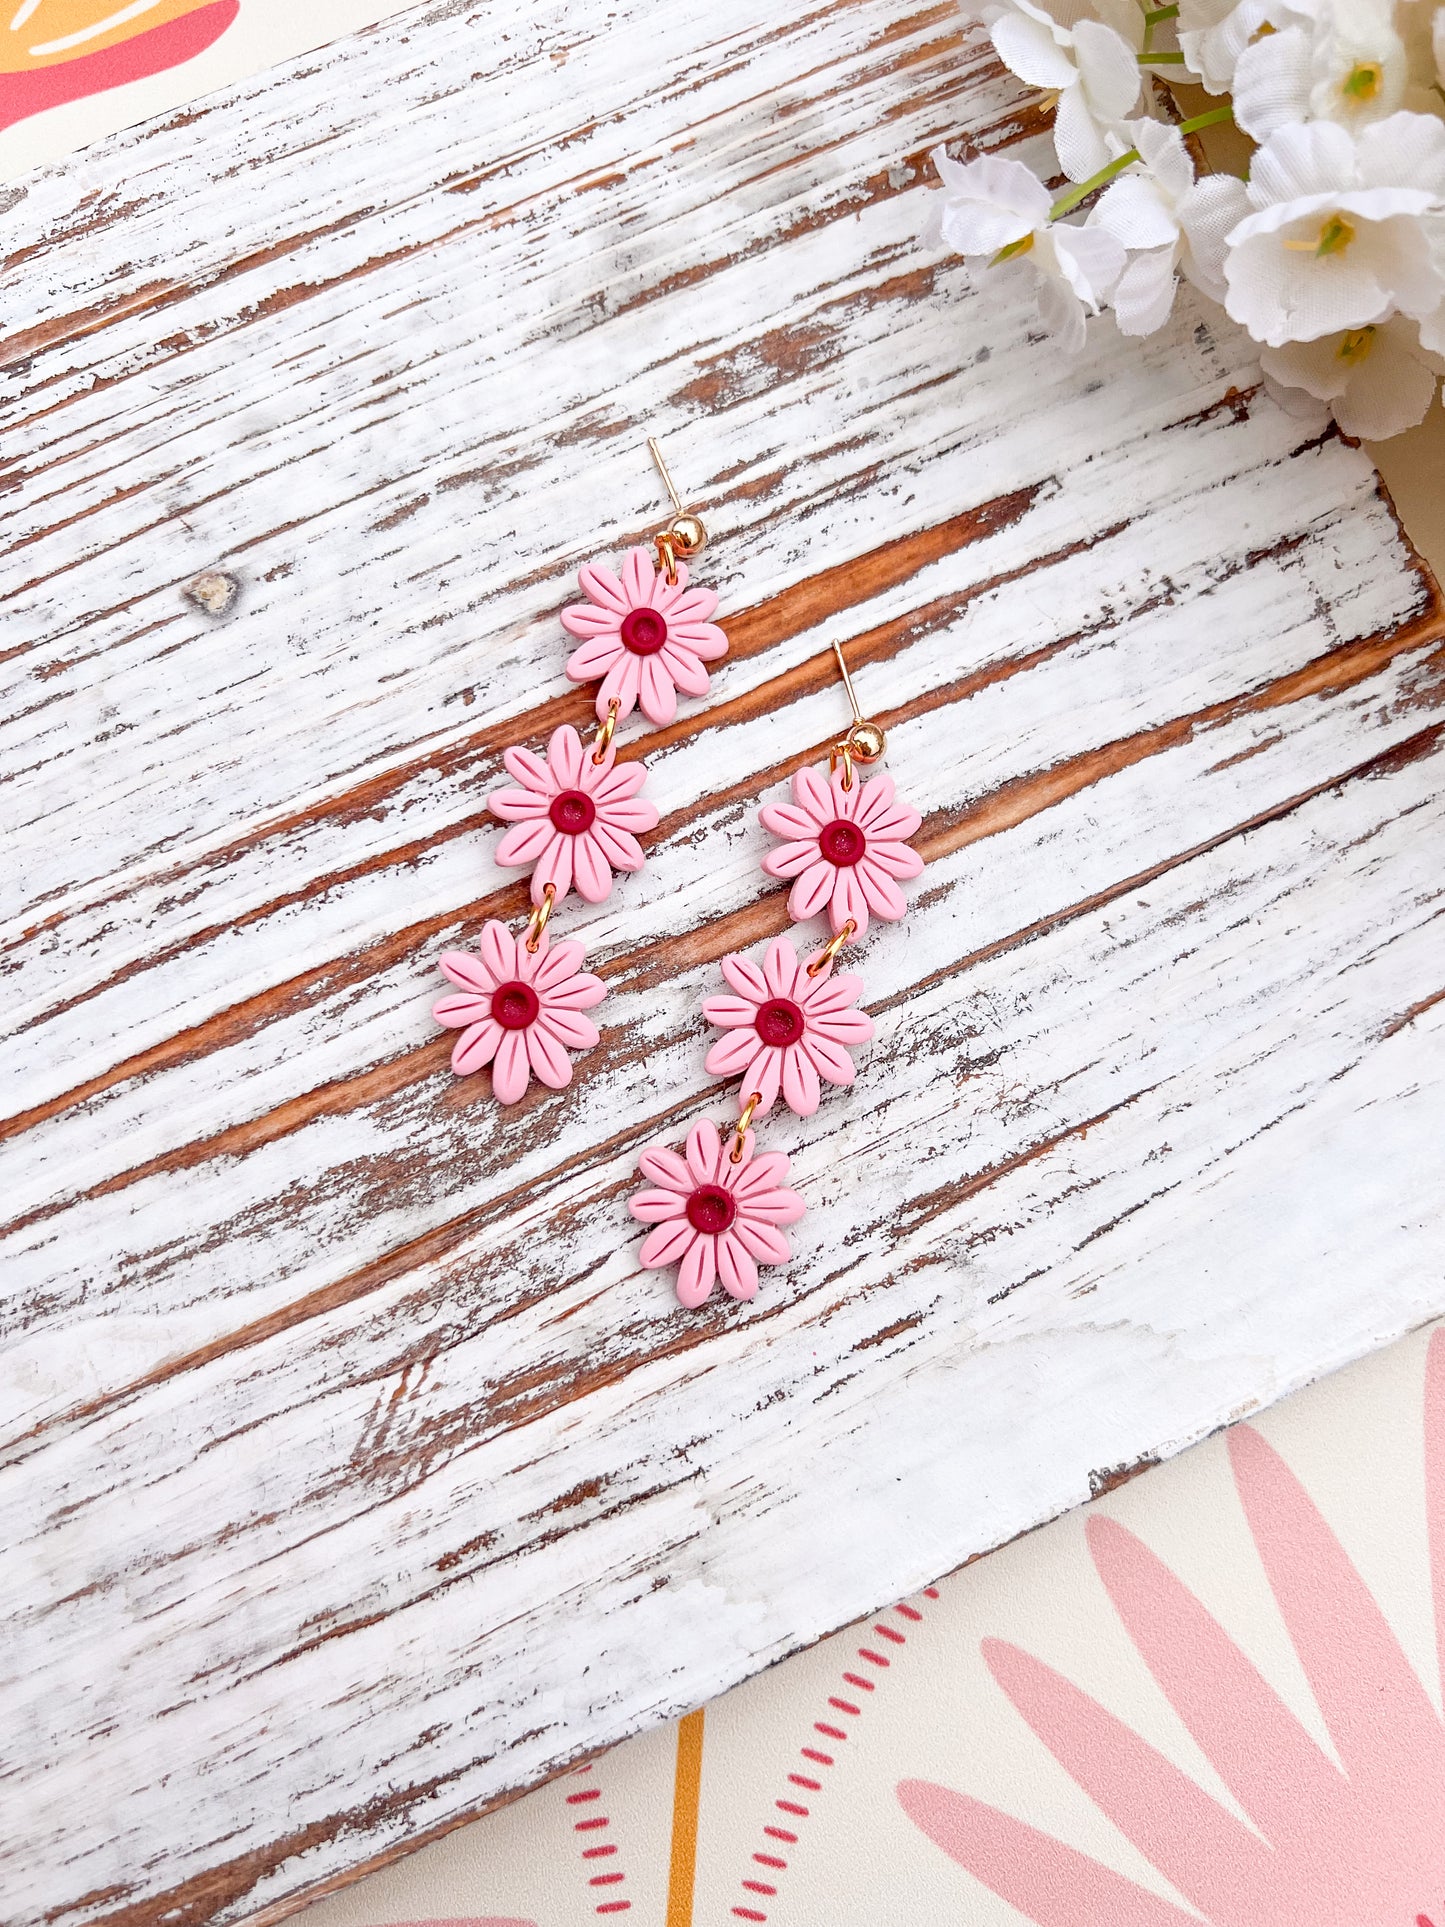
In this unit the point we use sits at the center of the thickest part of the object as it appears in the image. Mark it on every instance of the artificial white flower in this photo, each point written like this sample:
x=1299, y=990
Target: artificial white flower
x=990, y=205
x=1089, y=66
x=1214, y=37
x=1347, y=64
x=1378, y=381
x=1346, y=229
x=1167, y=220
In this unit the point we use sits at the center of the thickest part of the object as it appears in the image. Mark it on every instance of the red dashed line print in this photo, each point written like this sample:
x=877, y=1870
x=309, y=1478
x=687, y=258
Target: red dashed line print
x=599, y=1854
x=782, y=1832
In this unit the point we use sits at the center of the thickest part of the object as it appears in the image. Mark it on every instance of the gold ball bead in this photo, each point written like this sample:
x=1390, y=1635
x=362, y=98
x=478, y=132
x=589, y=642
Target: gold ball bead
x=688, y=533
x=868, y=742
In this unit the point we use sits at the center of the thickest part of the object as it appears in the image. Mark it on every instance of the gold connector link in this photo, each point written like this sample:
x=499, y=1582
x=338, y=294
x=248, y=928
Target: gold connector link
x=740, y=1133
x=537, y=922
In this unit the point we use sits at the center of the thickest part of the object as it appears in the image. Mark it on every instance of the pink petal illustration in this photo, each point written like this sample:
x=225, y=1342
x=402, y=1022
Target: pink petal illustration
x=1256, y=1745
x=1435, y=1479
x=1332, y=1848
x=1214, y=1860
x=1047, y=1882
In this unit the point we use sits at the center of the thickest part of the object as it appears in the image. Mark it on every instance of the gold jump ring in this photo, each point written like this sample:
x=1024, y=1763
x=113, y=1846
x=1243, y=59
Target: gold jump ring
x=604, y=734
x=537, y=923
x=741, y=1131
x=830, y=951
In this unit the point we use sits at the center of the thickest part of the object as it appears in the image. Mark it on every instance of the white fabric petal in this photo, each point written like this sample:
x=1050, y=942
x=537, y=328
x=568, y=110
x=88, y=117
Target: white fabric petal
x=991, y=202
x=1355, y=39
x=1207, y=213
x=1062, y=315
x=1144, y=292
x=1078, y=138
x=1090, y=260
x=1162, y=150
x=1031, y=50
x=1108, y=68
x=1379, y=381
x=1133, y=210
x=1298, y=163
x=1316, y=367
x=1272, y=82
x=1304, y=408
x=1432, y=328
x=1389, y=392
x=1404, y=150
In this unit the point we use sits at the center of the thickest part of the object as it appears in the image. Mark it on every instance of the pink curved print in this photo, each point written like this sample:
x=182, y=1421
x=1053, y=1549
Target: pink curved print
x=467, y=1920
x=1328, y=1845
x=36, y=88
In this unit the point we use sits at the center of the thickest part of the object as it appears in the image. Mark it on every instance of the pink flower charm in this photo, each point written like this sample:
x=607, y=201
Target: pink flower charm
x=519, y=1011
x=714, y=1218
x=647, y=638
x=576, y=819
x=785, y=1029
x=845, y=847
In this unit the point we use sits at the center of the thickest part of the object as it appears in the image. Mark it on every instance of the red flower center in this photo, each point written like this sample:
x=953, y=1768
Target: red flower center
x=572, y=812
x=842, y=843
x=710, y=1209
x=515, y=1005
x=643, y=631
x=779, y=1022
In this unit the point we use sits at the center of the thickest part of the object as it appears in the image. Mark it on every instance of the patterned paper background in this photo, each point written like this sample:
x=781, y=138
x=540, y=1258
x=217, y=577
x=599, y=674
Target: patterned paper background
x=1213, y=1694
x=73, y=70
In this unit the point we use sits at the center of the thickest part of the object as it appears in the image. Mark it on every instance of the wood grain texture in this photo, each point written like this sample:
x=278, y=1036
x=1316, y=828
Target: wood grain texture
x=353, y=1476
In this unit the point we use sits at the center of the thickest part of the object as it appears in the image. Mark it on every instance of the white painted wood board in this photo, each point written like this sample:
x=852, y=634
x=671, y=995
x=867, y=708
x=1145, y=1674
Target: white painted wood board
x=353, y=1475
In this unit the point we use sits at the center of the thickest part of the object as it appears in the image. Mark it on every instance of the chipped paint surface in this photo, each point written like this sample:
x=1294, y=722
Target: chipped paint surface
x=353, y=1476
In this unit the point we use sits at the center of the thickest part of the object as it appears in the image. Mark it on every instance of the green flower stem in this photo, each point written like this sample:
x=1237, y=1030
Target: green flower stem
x=1066, y=203
x=1156, y=14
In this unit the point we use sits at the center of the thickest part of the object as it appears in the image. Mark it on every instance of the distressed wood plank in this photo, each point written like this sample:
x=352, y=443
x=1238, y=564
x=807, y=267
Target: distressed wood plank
x=353, y=1475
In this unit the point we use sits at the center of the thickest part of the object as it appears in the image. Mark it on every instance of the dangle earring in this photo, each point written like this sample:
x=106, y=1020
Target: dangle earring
x=717, y=1210
x=576, y=814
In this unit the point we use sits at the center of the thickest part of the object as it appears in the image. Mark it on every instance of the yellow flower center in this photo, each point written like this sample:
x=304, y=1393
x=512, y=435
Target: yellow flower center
x=1355, y=344
x=1363, y=82
x=1335, y=235
x=1261, y=32
x=1020, y=246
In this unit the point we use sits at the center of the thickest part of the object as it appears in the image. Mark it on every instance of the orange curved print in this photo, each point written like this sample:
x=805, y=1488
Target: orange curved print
x=58, y=50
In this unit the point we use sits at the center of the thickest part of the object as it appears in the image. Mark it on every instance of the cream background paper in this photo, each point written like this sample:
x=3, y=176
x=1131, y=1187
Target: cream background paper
x=1355, y=1442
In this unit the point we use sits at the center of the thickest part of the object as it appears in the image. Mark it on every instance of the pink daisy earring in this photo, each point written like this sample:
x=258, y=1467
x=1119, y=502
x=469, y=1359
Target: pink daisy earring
x=576, y=814
x=790, y=1023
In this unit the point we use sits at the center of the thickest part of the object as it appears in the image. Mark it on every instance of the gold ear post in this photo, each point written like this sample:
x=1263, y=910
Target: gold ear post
x=684, y=534
x=865, y=741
